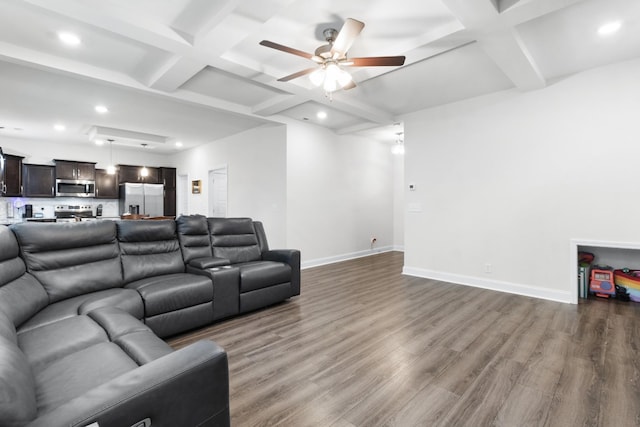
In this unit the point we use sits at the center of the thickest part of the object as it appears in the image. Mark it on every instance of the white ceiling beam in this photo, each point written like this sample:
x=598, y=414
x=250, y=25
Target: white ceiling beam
x=499, y=40
x=507, y=50
x=201, y=16
x=175, y=72
x=277, y=104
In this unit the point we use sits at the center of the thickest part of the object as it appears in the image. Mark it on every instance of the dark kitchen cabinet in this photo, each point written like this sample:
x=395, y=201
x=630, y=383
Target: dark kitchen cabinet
x=168, y=179
x=129, y=173
x=106, y=185
x=85, y=171
x=38, y=180
x=12, y=175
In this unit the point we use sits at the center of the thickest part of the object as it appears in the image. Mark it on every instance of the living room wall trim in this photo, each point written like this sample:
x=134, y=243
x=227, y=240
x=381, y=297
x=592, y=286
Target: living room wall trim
x=344, y=257
x=494, y=285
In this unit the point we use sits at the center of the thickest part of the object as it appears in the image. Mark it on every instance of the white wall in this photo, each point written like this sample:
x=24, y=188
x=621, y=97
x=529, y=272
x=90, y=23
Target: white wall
x=340, y=194
x=257, y=179
x=398, y=201
x=43, y=152
x=508, y=179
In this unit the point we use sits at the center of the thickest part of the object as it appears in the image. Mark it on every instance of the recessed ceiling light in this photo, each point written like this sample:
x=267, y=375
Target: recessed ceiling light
x=99, y=142
x=101, y=109
x=69, y=39
x=321, y=115
x=178, y=144
x=609, y=28
x=59, y=127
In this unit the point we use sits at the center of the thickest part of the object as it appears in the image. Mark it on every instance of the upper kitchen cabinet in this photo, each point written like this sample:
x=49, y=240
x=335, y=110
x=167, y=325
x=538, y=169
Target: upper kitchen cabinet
x=106, y=185
x=128, y=173
x=38, y=180
x=84, y=171
x=12, y=175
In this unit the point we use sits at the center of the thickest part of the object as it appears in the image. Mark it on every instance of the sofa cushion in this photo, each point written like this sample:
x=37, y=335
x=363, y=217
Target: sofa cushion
x=234, y=239
x=131, y=335
x=125, y=299
x=162, y=294
x=193, y=235
x=71, y=259
x=149, y=248
x=21, y=296
x=78, y=373
x=54, y=341
x=17, y=386
x=7, y=329
x=262, y=274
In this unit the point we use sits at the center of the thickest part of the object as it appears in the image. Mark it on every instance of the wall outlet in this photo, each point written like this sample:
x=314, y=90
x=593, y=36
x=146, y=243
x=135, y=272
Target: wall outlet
x=373, y=241
x=488, y=268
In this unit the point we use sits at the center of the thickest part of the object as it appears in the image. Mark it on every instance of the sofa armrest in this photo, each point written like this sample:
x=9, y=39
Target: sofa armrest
x=288, y=256
x=226, y=289
x=187, y=387
x=208, y=262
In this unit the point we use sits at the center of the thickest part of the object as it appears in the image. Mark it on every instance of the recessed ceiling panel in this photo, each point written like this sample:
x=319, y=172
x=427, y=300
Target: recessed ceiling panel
x=567, y=41
x=220, y=84
x=335, y=119
x=26, y=28
x=458, y=74
x=162, y=11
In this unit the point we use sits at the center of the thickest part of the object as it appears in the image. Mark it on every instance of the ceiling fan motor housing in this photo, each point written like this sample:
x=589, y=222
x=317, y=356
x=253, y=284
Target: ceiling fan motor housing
x=324, y=51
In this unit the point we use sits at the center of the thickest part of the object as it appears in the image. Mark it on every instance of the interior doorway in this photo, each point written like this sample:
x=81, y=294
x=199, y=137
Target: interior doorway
x=218, y=192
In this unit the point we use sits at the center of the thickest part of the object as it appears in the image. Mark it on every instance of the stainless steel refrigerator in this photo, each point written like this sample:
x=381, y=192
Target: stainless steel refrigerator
x=143, y=199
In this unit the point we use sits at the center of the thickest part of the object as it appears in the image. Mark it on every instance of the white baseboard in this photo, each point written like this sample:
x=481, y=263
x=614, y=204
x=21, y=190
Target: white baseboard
x=344, y=257
x=494, y=285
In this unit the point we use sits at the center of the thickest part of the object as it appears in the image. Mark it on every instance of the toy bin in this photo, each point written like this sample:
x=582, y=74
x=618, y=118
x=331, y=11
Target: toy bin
x=630, y=280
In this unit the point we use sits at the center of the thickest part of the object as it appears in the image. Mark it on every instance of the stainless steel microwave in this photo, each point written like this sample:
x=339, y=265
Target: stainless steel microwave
x=75, y=188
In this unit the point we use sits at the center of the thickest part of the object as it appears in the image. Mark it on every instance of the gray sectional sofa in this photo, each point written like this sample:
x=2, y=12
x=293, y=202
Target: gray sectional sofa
x=83, y=308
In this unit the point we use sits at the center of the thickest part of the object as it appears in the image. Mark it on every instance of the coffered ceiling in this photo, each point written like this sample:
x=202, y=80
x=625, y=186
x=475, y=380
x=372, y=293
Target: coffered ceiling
x=193, y=71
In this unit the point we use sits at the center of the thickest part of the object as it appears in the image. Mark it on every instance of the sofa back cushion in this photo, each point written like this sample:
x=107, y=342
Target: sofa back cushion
x=21, y=296
x=17, y=386
x=71, y=259
x=149, y=249
x=234, y=239
x=193, y=234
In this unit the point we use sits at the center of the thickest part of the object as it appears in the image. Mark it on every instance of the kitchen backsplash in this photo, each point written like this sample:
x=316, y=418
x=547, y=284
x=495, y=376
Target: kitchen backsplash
x=12, y=208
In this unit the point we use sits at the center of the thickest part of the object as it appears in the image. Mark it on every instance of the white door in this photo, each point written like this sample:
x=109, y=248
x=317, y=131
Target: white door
x=218, y=192
x=182, y=187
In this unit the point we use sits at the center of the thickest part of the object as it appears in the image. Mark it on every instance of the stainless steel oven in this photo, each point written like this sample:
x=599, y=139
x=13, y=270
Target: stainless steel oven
x=73, y=213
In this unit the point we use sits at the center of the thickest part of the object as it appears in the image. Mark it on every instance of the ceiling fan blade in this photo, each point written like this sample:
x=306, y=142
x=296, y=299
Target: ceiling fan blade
x=349, y=85
x=287, y=49
x=375, y=61
x=298, y=74
x=346, y=37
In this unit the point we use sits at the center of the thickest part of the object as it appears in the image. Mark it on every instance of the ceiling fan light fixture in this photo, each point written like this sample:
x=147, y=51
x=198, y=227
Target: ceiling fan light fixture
x=344, y=78
x=317, y=77
x=330, y=85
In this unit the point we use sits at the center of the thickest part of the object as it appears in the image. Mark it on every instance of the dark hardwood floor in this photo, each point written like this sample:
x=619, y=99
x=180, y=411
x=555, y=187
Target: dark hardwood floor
x=365, y=346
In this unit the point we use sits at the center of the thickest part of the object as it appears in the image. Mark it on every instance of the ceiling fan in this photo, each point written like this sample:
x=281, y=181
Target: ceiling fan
x=332, y=57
